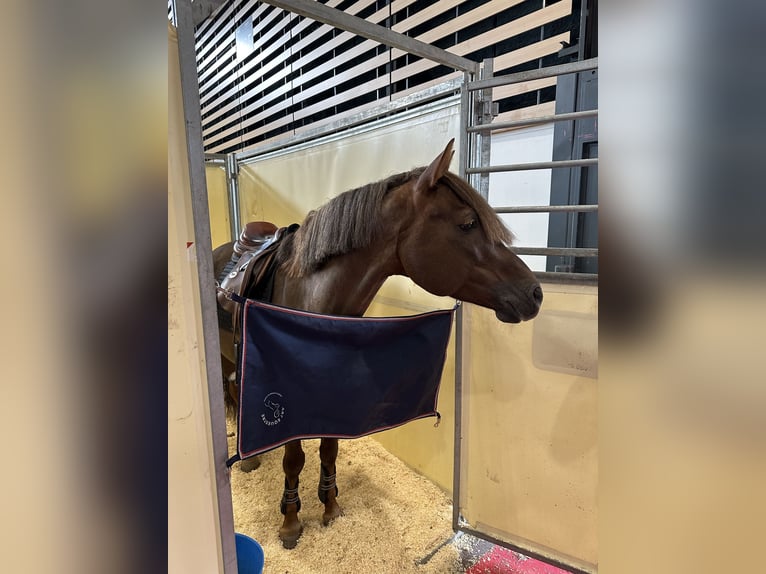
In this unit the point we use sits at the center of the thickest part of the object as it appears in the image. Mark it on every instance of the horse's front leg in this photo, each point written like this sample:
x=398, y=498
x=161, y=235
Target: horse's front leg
x=328, y=453
x=292, y=463
x=231, y=398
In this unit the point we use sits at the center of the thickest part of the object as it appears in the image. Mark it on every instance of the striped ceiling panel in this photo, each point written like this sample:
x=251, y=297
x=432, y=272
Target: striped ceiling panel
x=266, y=74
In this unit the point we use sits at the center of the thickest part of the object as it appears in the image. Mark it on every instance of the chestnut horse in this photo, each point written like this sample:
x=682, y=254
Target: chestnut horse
x=427, y=224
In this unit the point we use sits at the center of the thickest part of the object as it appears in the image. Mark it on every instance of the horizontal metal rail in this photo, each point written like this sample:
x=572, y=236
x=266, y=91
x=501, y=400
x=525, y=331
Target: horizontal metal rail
x=546, y=208
x=534, y=121
x=537, y=74
x=534, y=165
x=560, y=277
x=339, y=19
x=565, y=251
x=215, y=158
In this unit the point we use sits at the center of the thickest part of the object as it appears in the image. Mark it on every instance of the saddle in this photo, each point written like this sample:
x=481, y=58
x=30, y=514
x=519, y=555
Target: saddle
x=251, y=269
x=253, y=236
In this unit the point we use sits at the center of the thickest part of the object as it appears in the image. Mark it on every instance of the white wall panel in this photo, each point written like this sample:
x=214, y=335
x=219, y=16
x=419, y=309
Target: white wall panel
x=515, y=188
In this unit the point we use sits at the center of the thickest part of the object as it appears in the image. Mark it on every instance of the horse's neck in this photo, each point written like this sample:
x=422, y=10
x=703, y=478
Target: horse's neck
x=346, y=285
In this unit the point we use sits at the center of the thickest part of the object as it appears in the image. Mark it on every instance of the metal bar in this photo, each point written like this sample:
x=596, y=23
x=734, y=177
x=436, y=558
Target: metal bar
x=534, y=165
x=536, y=121
x=537, y=74
x=203, y=9
x=321, y=13
x=464, y=151
x=546, y=208
x=232, y=186
x=559, y=277
x=465, y=137
x=458, y=432
x=565, y=251
x=201, y=218
x=484, y=116
x=215, y=157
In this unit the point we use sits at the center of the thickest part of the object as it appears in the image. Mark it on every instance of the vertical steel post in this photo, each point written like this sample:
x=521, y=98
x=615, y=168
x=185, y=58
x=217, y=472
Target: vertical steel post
x=484, y=115
x=467, y=138
x=465, y=135
x=187, y=58
x=475, y=109
x=232, y=186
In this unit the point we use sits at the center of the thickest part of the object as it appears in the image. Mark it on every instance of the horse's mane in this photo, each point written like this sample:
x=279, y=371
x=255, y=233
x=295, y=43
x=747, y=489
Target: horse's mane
x=350, y=221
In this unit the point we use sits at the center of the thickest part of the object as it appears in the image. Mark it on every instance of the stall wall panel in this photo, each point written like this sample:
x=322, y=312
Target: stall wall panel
x=283, y=187
x=529, y=471
x=193, y=523
x=218, y=204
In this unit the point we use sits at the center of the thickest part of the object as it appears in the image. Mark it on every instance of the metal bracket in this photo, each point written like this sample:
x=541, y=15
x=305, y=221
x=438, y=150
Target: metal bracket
x=485, y=111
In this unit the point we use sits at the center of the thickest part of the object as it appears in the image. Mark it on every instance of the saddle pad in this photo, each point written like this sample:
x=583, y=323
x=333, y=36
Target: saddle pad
x=305, y=375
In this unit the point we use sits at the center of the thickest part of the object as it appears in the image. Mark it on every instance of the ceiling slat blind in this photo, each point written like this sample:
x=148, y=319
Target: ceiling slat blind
x=266, y=74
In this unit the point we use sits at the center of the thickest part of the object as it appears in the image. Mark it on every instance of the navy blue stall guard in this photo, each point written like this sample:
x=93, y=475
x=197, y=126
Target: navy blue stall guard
x=305, y=375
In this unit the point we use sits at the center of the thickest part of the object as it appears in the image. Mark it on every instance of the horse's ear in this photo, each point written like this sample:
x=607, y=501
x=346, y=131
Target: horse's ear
x=434, y=172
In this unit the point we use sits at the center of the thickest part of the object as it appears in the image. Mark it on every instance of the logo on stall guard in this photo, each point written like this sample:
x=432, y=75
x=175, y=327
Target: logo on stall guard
x=275, y=411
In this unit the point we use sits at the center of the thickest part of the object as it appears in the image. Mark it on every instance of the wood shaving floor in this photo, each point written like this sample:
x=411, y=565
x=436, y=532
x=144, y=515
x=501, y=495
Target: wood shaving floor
x=395, y=521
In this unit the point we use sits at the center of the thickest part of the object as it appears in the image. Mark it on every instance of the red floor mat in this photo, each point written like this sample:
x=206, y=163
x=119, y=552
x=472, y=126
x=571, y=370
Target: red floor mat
x=503, y=561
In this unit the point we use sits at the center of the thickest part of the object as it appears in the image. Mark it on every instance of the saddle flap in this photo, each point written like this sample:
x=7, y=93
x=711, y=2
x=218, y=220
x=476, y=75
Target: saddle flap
x=251, y=265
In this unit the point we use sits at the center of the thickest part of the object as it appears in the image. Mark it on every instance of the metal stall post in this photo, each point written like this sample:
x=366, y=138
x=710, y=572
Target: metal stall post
x=201, y=217
x=483, y=116
x=232, y=186
x=466, y=104
x=473, y=111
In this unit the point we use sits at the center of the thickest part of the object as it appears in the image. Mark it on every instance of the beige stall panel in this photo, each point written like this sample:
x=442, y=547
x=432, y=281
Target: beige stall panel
x=529, y=471
x=284, y=187
x=193, y=523
x=218, y=204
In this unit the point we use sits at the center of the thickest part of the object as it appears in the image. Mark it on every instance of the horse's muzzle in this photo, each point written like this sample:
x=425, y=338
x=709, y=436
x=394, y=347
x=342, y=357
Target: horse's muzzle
x=520, y=305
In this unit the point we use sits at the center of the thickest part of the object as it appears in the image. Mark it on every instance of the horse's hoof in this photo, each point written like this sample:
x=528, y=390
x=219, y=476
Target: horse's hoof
x=290, y=539
x=331, y=515
x=250, y=464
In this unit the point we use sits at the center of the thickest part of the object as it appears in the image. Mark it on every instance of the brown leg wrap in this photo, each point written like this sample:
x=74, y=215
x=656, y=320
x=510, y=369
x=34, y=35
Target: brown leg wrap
x=326, y=483
x=290, y=496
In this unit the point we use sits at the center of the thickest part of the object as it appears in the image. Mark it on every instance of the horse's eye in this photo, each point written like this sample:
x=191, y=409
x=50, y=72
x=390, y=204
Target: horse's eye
x=468, y=226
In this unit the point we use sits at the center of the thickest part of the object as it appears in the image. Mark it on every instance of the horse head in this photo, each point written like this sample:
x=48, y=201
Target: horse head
x=453, y=243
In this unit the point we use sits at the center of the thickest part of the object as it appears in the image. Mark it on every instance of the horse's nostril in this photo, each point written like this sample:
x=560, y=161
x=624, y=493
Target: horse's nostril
x=537, y=295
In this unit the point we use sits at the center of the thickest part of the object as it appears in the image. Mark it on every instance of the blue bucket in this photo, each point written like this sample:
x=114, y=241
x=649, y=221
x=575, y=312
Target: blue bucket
x=249, y=555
